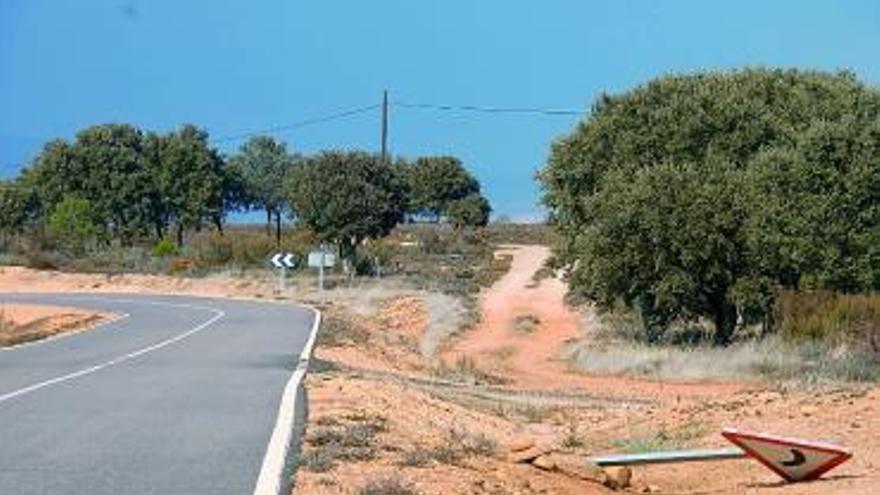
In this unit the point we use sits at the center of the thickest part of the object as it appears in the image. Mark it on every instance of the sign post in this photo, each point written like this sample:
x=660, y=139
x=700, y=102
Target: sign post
x=791, y=458
x=282, y=261
x=320, y=259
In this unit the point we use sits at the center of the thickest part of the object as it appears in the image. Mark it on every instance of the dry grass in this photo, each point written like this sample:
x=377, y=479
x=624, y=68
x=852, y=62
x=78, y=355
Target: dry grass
x=6, y=326
x=339, y=330
x=526, y=323
x=349, y=438
x=830, y=317
x=822, y=340
x=680, y=437
x=457, y=446
x=768, y=358
x=572, y=439
x=447, y=316
x=465, y=370
x=388, y=486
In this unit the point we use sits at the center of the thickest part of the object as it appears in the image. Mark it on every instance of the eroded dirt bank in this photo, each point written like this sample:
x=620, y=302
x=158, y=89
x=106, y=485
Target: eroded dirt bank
x=23, y=323
x=501, y=385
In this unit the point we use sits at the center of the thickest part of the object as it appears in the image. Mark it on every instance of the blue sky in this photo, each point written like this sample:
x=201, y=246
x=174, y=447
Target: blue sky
x=234, y=66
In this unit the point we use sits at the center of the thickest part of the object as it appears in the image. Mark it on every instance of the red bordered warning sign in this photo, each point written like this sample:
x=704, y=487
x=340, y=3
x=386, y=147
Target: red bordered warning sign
x=791, y=458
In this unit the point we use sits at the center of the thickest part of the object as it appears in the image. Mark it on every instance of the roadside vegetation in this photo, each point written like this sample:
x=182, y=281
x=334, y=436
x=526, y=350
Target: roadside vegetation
x=720, y=208
x=119, y=198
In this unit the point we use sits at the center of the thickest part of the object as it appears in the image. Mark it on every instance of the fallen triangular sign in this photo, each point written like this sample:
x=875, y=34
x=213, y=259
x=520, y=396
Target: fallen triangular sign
x=791, y=458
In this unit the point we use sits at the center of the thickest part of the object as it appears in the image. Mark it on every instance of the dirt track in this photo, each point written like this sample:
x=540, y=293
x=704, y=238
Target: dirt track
x=532, y=361
x=847, y=416
x=672, y=415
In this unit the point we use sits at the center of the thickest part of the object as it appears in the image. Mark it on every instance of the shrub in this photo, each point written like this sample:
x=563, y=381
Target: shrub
x=212, y=251
x=832, y=317
x=457, y=446
x=164, y=248
x=387, y=486
x=351, y=440
x=465, y=370
x=337, y=331
x=526, y=323
x=76, y=223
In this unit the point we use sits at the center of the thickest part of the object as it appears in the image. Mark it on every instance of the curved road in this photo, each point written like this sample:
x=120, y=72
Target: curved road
x=181, y=396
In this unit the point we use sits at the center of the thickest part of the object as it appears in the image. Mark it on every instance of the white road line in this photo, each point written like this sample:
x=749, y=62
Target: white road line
x=270, y=480
x=218, y=314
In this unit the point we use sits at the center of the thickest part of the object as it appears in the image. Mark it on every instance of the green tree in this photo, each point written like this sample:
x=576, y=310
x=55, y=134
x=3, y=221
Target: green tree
x=16, y=206
x=75, y=223
x=435, y=182
x=106, y=165
x=775, y=170
x=470, y=211
x=669, y=241
x=190, y=179
x=816, y=210
x=347, y=197
x=263, y=164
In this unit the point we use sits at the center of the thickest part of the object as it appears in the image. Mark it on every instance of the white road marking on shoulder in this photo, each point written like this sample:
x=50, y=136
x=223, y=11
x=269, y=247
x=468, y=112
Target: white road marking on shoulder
x=270, y=480
x=218, y=314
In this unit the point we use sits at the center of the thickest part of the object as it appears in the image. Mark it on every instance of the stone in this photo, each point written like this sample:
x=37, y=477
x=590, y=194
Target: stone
x=546, y=462
x=519, y=444
x=809, y=410
x=618, y=477
x=528, y=455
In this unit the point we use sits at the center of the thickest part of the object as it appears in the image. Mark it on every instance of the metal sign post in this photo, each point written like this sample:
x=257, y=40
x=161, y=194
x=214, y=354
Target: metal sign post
x=321, y=259
x=791, y=458
x=664, y=457
x=321, y=273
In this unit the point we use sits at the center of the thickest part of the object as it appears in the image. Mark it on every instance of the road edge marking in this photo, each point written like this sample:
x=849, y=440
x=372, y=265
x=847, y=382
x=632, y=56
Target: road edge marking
x=270, y=480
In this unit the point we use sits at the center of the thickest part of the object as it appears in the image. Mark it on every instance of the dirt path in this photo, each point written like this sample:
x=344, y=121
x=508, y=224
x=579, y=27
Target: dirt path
x=529, y=358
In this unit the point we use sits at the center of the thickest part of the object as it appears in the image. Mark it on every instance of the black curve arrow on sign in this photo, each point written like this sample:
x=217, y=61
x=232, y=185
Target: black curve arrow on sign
x=798, y=459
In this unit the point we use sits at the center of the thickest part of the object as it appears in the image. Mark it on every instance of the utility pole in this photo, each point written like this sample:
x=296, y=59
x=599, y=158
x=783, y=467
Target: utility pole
x=384, y=125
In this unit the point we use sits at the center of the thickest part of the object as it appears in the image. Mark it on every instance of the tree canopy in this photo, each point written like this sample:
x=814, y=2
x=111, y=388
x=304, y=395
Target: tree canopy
x=696, y=195
x=470, y=211
x=264, y=163
x=16, y=206
x=435, y=182
x=137, y=184
x=116, y=183
x=346, y=197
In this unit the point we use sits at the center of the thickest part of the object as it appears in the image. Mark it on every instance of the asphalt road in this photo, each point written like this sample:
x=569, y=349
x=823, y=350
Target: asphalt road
x=179, y=397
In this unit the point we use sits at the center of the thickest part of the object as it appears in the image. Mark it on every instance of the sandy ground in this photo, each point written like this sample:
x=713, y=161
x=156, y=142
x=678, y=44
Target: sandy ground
x=19, y=279
x=28, y=323
x=533, y=359
x=380, y=376
x=573, y=415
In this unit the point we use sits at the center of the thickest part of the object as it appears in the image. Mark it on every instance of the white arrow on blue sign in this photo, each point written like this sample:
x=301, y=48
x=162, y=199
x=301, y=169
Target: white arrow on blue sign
x=283, y=260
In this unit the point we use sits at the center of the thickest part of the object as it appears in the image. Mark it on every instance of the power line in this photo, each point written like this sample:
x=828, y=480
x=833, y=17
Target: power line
x=401, y=104
x=297, y=125
x=474, y=108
